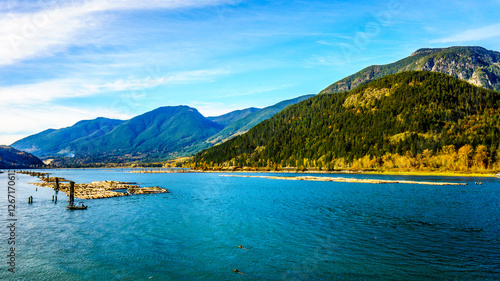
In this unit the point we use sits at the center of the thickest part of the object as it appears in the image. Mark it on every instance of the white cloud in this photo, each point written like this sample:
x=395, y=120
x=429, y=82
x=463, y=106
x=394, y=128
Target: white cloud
x=472, y=35
x=48, y=91
x=55, y=27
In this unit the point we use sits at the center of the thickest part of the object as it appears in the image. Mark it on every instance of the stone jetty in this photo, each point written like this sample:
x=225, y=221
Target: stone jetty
x=341, y=179
x=93, y=190
x=103, y=189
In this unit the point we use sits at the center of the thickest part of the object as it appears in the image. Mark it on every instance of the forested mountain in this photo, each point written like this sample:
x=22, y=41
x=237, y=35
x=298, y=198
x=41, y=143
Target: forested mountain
x=11, y=158
x=233, y=116
x=160, y=133
x=56, y=142
x=424, y=119
x=244, y=124
x=164, y=133
x=155, y=134
x=476, y=65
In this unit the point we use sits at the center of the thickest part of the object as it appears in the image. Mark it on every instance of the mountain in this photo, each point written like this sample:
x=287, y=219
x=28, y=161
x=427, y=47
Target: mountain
x=476, y=65
x=233, y=116
x=57, y=142
x=158, y=134
x=166, y=132
x=421, y=116
x=163, y=131
x=11, y=158
x=244, y=124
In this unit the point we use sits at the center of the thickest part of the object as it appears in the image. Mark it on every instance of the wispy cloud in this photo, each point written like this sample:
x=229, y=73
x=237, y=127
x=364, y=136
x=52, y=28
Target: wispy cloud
x=48, y=91
x=482, y=33
x=56, y=26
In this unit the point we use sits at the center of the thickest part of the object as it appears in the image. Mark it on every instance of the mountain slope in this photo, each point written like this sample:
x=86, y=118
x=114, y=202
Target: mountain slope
x=476, y=65
x=11, y=158
x=410, y=113
x=155, y=134
x=56, y=142
x=241, y=126
x=233, y=116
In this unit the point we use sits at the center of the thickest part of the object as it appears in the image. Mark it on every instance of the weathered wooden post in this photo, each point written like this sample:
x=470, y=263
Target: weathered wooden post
x=57, y=185
x=55, y=201
x=71, y=192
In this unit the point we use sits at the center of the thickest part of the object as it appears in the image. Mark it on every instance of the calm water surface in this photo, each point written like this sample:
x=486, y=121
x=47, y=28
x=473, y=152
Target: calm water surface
x=292, y=230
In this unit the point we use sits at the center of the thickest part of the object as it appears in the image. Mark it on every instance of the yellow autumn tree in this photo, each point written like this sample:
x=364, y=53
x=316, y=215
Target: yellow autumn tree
x=465, y=157
x=480, y=158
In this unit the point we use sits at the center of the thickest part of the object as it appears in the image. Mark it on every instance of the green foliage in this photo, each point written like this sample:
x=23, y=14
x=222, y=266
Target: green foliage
x=410, y=112
x=246, y=123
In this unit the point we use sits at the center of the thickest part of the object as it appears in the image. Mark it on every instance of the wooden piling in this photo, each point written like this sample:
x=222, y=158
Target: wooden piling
x=57, y=185
x=71, y=192
x=52, y=197
x=55, y=201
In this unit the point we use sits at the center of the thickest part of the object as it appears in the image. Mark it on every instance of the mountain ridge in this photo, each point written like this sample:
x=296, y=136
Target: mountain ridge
x=233, y=116
x=163, y=133
x=476, y=65
x=48, y=142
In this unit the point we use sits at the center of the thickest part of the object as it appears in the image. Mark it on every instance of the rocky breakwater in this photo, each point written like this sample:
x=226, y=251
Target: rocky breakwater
x=102, y=189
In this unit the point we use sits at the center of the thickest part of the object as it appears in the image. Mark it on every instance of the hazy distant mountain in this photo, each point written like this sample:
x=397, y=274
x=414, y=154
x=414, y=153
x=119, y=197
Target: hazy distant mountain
x=58, y=142
x=11, y=158
x=233, y=116
x=241, y=126
x=476, y=65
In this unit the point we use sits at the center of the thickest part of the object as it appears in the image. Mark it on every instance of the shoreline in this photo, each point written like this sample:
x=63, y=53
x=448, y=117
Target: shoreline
x=360, y=172
x=348, y=180
x=143, y=170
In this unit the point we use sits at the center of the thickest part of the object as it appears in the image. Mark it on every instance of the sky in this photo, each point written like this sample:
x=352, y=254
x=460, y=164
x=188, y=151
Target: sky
x=62, y=61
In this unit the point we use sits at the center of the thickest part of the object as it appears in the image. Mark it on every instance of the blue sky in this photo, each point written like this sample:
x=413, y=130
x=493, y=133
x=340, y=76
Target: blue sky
x=62, y=61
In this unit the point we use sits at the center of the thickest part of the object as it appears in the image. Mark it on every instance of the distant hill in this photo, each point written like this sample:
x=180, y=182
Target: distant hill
x=164, y=133
x=233, y=116
x=158, y=134
x=476, y=65
x=429, y=119
x=59, y=142
x=244, y=124
x=11, y=158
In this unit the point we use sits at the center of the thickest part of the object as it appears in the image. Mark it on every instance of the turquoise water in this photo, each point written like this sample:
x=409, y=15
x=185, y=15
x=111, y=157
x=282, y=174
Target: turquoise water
x=292, y=230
